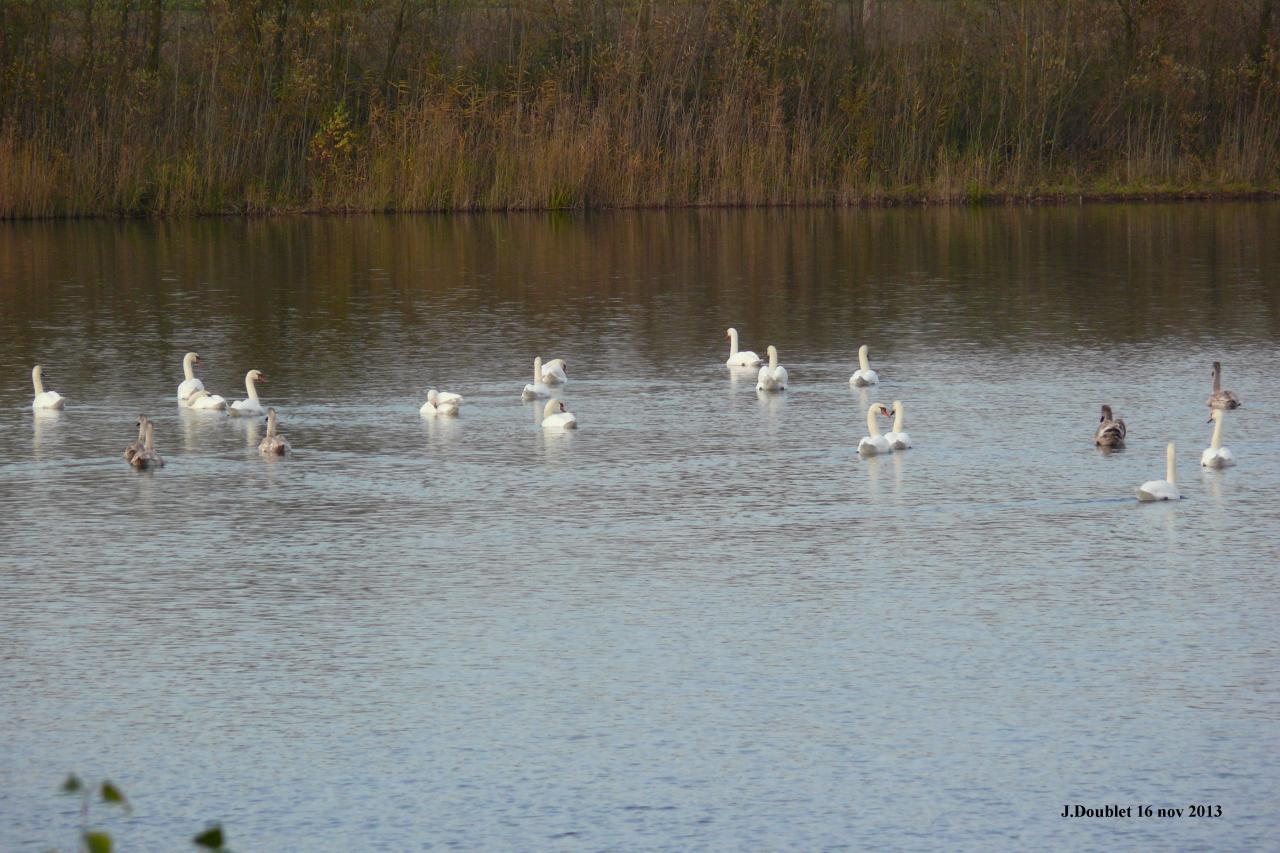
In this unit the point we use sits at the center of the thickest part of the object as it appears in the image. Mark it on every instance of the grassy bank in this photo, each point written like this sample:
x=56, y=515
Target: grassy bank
x=154, y=107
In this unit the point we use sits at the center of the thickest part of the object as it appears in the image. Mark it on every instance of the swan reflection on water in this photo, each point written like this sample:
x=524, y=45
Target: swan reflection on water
x=43, y=427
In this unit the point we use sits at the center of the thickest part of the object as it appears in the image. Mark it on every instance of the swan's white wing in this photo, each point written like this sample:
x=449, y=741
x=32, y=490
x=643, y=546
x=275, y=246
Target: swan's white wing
x=553, y=374
x=561, y=420
x=780, y=376
x=1158, y=490
x=212, y=402
x=49, y=400
x=1220, y=458
x=443, y=398
x=189, y=387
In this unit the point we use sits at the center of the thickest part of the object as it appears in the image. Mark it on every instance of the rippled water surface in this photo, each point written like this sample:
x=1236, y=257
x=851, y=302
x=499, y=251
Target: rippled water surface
x=699, y=622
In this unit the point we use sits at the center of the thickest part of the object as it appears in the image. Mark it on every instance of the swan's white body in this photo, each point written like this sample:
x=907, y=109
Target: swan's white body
x=556, y=416
x=864, y=375
x=44, y=399
x=553, y=372
x=897, y=436
x=274, y=444
x=1162, y=490
x=203, y=401
x=252, y=407
x=1215, y=455
x=745, y=358
x=773, y=376
x=440, y=403
x=874, y=444
x=537, y=389
x=190, y=384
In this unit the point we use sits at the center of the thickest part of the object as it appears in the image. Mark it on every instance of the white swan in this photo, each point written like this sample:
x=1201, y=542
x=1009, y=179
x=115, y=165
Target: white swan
x=864, y=375
x=556, y=416
x=440, y=403
x=1162, y=490
x=555, y=372
x=190, y=384
x=772, y=377
x=251, y=407
x=897, y=436
x=874, y=443
x=274, y=444
x=44, y=399
x=537, y=389
x=1215, y=455
x=746, y=358
x=202, y=400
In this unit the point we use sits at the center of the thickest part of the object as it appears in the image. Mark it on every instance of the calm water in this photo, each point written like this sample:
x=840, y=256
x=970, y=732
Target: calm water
x=700, y=622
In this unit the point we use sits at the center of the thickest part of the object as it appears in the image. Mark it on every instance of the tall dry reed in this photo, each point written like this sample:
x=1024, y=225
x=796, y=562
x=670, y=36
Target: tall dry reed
x=154, y=107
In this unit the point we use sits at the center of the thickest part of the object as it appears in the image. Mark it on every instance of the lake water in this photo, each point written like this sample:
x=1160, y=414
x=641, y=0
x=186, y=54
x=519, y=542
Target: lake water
x=699, y=622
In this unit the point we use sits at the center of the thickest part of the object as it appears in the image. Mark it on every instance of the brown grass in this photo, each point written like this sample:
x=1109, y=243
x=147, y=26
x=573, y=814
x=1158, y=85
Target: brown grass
x=149, y=107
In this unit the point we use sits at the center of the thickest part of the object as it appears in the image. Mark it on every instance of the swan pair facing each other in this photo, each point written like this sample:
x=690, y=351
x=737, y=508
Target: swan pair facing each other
x=440, y=403
x=44, y=399
x=1214, y=456
x=142, y=453
x=874, y=443
x=192, y=393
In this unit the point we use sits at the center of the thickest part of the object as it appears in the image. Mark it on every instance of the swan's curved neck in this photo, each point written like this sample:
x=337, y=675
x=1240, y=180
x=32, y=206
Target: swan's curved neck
x=733, y=342
x=537, y=370
x=142, y=429
x=150, y=435
x=251, y=387
x=773, y=358
x=862, y=358
x=550, y=408
x=188, y=372
x=897, y=416
x=1217, y=377
x=873, y=429
x=271, y=424
x=1170, y=456
x=37, y=381
x=1217, y=430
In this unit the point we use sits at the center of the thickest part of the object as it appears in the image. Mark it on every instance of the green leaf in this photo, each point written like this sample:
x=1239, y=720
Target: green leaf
x=97, y=842
x=72, y=784
x=211, y=838
x=112, y=794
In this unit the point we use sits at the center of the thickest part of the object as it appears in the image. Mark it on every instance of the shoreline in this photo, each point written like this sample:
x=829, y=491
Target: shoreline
x=887, y=201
